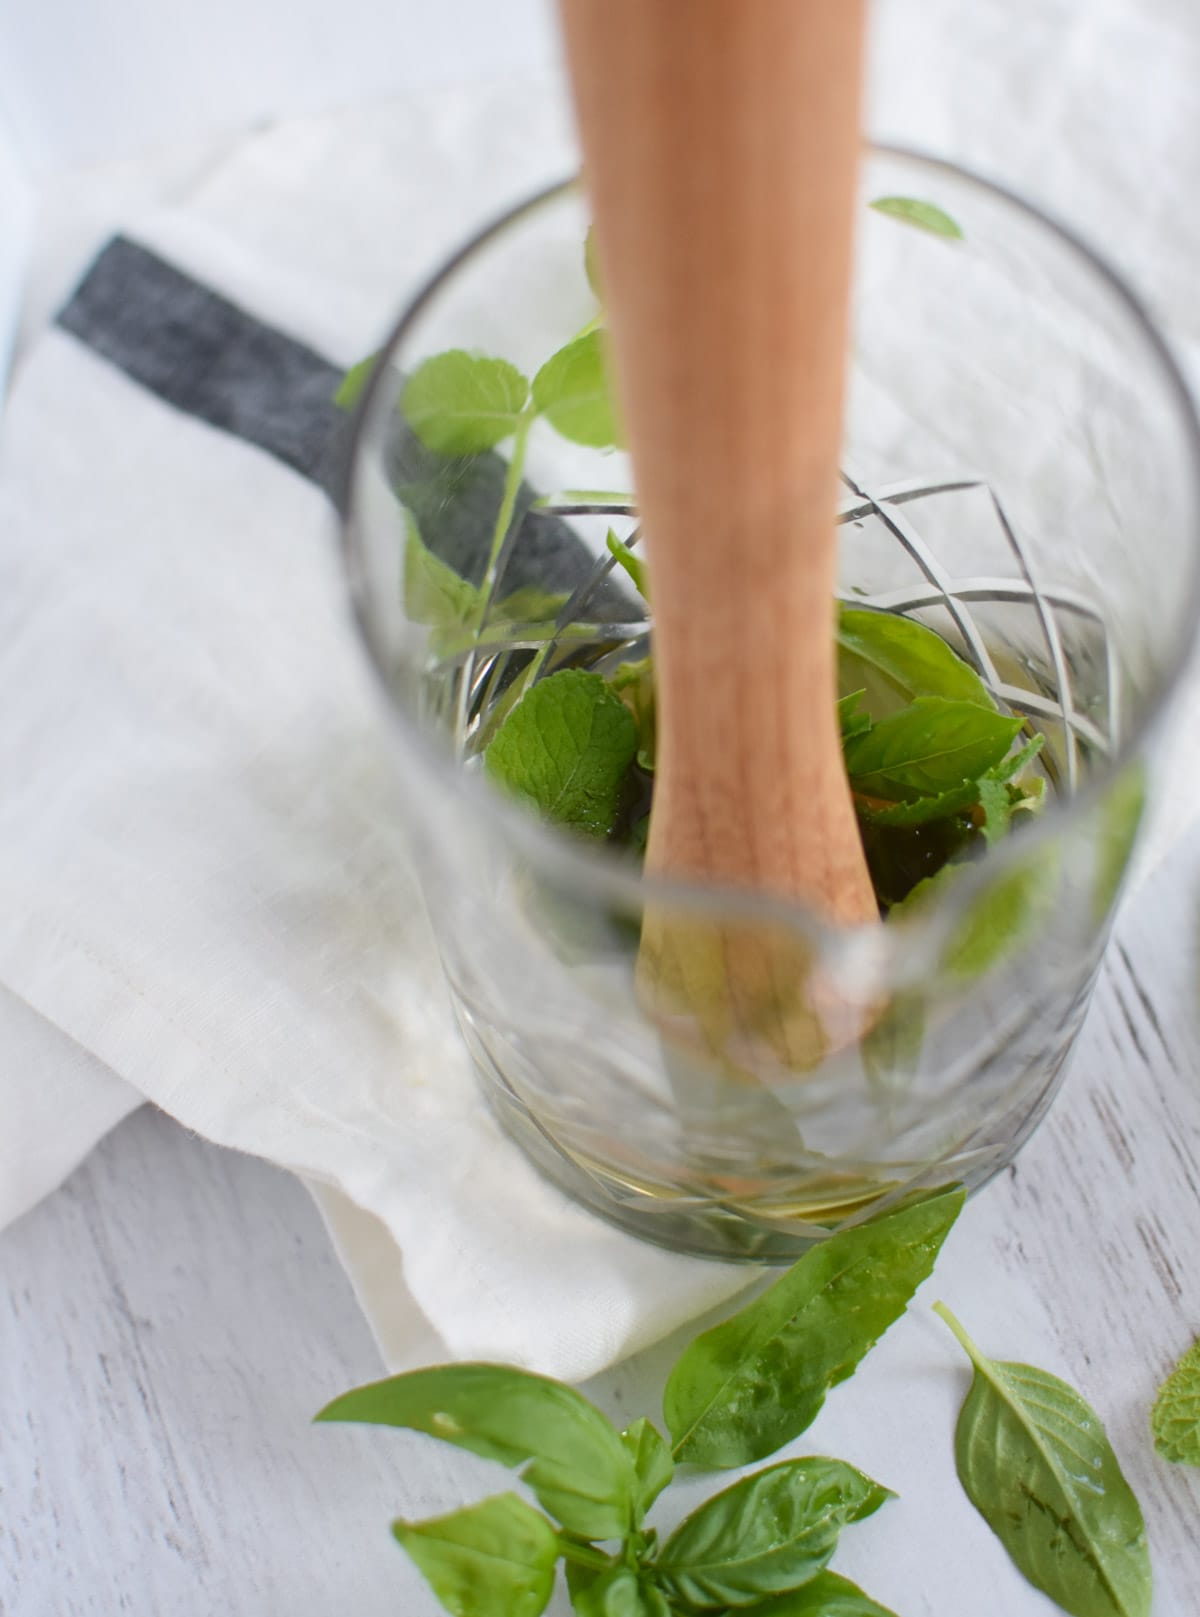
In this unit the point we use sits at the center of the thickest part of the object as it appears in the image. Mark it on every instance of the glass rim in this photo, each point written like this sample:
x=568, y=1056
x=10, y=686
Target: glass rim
x=606, y=874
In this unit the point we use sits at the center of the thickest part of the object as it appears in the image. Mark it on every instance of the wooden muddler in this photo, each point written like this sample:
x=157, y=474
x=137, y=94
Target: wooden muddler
x=720, y=142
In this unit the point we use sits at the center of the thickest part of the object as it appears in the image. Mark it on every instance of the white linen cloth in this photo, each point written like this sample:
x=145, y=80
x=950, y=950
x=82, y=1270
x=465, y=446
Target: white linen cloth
x=205, y=890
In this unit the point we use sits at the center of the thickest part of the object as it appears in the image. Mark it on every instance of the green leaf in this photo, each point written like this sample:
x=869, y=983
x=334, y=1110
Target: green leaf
x=652, y=1463
x=571, y=390
x=1120, y=818
x=925, y=215
x=826, y=1595
x=1034, y=1460
x=766, y=1534
x=746, y=1387
x=1002, y=915
x=461, y=404
x=591, y=263
x=434, y=593
x=1175, y=1418
x=353, y=384
x=990, y=791
x=578, y=1467
x=529, y=604
x=634, y=684
x=565, y=749
x=895, y=659
x=496, y=1559
x=633, y=565
x=929, y=748
x=618, y=1593
x=851, y=721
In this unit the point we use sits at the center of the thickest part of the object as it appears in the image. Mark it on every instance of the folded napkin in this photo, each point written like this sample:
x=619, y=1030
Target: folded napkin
x=203, y=870
x=203, y=862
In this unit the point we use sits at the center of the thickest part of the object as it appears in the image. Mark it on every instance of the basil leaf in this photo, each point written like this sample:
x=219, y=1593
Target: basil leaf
x=1175, y=1418
x=746, y=1387
x=895, y=659
x=930, y=747
x=461, y=404
x=577, y=1467
x=770, y=1531
x=925, y=215
x=434, y=593
x=565, y=749
x=529, y=604
x=826, y=1595
x=652, y=1463
x=1033, y=1459
x=496, y=1559
x=351, y=387
x=571, y=390
x=852, y=722
x=633, y=565
x=619, y=1593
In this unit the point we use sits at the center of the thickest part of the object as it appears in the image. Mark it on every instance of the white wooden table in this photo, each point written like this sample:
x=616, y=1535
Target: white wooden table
x=170, y=1320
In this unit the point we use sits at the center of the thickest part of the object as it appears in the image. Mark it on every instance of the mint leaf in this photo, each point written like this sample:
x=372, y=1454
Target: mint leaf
x=496, y=1559
x=769, y=1532
x=1175, y=1418
x=826, y=1595
x=894, y=659
x=577, y=1465
x=565, y=749
x=571, y=390
x=851, y=721
x=925, y=215
x=461, y=404
x=746, y=1387
x=434, y=593
x=928, y=748
x=991, y=791
x=352, y=385
x=1034, y=1460
x=633, y=565
x=652, y=1463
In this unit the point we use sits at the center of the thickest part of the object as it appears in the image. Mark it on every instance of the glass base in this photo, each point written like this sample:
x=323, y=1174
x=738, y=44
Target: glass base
x=703, y=1227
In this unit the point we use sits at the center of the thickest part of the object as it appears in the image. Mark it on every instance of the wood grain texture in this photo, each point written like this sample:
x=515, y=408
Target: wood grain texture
x=723, y=187
x=170, y=1320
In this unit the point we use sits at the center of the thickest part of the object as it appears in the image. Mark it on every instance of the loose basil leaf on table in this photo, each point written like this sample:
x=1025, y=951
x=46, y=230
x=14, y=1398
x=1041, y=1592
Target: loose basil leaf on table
x=652, y=1463
x=577, y=1465
x=1175, y=1418
x=495, y=1559
x=746, y=1387
x=1034, y=1460
x=461, y=404
x=895, y=659
x=769, y=1532
x=826, y=1595
x=565, y=748
x=929, y=748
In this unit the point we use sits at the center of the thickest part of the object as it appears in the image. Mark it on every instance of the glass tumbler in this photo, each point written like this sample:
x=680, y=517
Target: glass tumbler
x=1021, y=475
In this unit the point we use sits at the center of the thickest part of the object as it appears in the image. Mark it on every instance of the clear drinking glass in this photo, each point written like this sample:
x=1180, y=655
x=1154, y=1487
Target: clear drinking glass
x=1021, y=475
